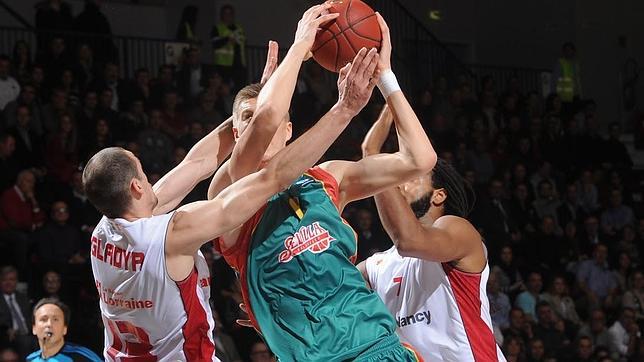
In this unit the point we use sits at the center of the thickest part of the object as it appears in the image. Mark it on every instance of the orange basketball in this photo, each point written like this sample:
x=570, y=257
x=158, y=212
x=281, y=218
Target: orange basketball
x=340, y=40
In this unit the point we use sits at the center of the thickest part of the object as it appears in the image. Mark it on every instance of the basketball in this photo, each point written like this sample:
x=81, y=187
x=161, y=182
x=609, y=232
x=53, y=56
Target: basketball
x=340, y=40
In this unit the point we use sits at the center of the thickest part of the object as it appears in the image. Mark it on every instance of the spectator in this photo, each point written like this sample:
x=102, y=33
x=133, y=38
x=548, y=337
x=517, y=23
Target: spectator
x=132, y=122
x=20, y=209
x=259, y=352
x=521, y=210
x=634, y=296
x=625, y=335
x=617, y=215
x=588, y=195
x=15, y=316
x=546, y=245
x=371, y=239
x=187, y=28
x=101, y=138
x=174, y=123
x=546, y=203
x=229, y=43
x=507, y=271
x=110, y=80
x=62, y=150
x=596, y=329
x=164, y=83
x=492, y=215
x=27, y=98
x=537, y=351
x=8, y=163
x=92, y=21
x=499, y=303
x=156, y=146
x=595, y=280
x=206, y=113
x=528, y=299
x=52, y=15
x=196, y=133
x=629, y=244
x=560, y=301
x=623, y=271
x=55, y=60
x=67, y=82
x=52, y=285
x=549, y=330
x=58, y=241
x=83, y=215
x=9, y=87
x=566, y=75
x=569, y=210
x=590, y=237
x=50, y=321
x=138, y=89
x=584, y=350
x=86, y=116
x=21, y=61
x=513, y=349
x=193, y=76
x=52, y=111
x=85, y=67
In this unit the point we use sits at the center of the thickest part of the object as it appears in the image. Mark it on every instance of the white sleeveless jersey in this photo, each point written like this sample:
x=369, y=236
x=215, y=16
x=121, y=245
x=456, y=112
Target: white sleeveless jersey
x=147, y=315
x=441, y=312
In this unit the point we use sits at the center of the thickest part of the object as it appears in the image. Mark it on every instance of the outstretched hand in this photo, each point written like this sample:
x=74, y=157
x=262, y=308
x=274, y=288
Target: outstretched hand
x=271, y=61
x=357, y=80
x=385, y=46
x=307, y=27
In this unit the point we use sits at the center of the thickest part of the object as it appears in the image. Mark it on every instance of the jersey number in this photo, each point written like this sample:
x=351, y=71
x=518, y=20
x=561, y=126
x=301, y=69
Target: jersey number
x=130, y=340
x=399, y=281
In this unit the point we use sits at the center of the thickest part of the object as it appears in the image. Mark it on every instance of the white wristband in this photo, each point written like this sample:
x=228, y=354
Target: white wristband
x=388, y=83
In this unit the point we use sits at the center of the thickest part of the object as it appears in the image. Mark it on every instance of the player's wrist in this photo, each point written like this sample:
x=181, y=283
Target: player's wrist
x=300, y=49
x=388, y=83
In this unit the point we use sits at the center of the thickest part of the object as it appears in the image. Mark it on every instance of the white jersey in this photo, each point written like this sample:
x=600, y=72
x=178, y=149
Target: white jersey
x=442, y=312
x=147, y=315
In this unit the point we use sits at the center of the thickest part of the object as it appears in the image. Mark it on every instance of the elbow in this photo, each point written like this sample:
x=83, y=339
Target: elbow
x=267, y=116
x=423, y=164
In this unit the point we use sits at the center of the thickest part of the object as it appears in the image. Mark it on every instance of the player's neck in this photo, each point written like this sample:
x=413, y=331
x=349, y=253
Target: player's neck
x=137, y=212
x=431, y=216
x=49, y=350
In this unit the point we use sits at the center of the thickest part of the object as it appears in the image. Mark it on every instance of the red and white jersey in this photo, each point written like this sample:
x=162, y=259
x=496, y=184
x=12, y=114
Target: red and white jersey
x=442, y=312
x=147, y=315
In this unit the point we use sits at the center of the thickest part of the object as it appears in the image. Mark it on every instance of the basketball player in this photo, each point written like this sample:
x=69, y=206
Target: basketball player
x=295, y=256
x=433, y=280
x=152, y=280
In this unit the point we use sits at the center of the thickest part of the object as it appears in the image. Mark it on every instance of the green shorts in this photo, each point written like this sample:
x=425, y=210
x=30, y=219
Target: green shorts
x=389, y=349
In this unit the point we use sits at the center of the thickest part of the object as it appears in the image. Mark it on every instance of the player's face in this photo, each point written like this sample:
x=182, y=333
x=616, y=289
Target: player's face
x=49, y=324
x=420, y=195
x=241, y=120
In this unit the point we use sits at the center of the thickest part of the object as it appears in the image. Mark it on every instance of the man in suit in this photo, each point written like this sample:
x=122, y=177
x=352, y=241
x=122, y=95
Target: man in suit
x=15, y=313
x=192, y=77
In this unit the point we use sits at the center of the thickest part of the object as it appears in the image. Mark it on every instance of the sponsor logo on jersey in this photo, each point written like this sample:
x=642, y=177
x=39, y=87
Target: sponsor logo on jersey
x=419, y=317
x=313, y=238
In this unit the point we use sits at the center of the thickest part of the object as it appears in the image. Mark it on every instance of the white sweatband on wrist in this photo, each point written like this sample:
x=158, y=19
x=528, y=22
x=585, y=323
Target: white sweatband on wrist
x=388, y=83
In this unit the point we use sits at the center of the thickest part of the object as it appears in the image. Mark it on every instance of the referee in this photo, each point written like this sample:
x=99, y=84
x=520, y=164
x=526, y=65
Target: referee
x=51, y=318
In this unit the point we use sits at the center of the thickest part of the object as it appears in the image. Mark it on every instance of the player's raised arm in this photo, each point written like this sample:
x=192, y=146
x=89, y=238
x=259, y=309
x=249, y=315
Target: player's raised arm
x=255, y=130
x=201, y=221
x=378, y=172
x=200, y=163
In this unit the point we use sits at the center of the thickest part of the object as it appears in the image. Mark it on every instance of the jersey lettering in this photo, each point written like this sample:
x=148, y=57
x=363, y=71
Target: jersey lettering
x=115, y=256
x=424, y=316
x=313, y=238
x=399, y=281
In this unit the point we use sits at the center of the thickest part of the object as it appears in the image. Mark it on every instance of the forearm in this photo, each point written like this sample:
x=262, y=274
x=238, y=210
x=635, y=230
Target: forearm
x=273, y=103
x=302, y=154
x=378, y=133
x=396, y=216
x=412, y=139
x=200, y=163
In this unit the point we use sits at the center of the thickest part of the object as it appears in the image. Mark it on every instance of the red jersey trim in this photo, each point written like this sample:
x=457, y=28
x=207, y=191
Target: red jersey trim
x=467, y=289
x=329, y=183
x=197, y=345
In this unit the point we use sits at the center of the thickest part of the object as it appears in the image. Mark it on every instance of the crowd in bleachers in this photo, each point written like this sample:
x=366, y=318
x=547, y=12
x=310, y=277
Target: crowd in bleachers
x=558, y=204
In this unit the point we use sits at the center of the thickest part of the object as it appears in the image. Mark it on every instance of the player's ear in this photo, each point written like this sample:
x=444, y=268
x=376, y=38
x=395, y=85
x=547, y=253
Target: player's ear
x=289, y=130
x=235, y=133
x=136, y=188
x=438, y=197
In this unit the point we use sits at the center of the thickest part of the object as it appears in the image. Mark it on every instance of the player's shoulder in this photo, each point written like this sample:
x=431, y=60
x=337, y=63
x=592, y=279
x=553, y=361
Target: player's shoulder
x=80, y=353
